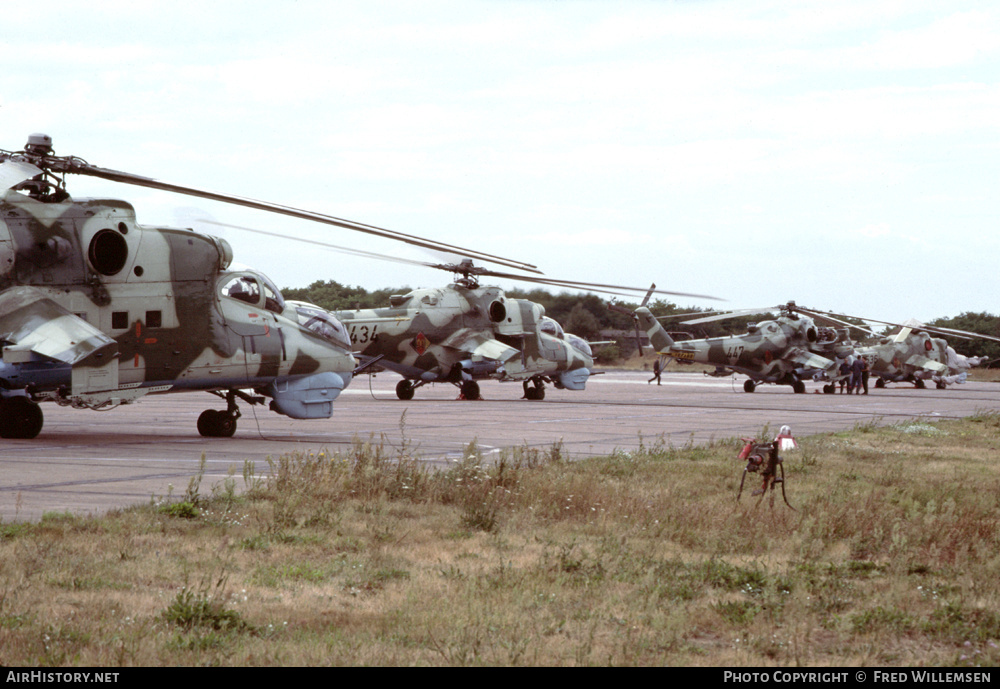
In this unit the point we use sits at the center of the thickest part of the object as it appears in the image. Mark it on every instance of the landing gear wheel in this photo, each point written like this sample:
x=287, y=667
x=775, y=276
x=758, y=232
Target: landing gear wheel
x=941, y=385
x=20, y=418
x=404, y=389
x=749, y=386
x=227, y=426
x=829, y=389
x=880, y=383
x=536, y=391
x=919, y=384
x=798, y=387
x=216, y=424
x=470, y=390
x=206, y=423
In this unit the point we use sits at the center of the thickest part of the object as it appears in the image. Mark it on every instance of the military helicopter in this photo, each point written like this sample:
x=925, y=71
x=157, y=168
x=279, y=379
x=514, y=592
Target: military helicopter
x=913, y=355
x=465, y=332
x=97, y=310
x=785, y=351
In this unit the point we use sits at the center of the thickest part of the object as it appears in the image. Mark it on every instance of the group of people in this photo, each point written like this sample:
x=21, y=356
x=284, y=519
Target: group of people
x=854, y=370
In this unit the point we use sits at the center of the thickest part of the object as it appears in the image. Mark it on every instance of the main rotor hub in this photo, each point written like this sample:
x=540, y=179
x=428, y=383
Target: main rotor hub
x=469, y=272
x=39, y=143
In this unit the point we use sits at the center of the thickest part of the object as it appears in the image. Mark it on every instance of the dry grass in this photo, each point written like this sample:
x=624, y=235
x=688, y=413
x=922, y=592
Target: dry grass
x=890, y=558
x=985, y=375
x=645, y=363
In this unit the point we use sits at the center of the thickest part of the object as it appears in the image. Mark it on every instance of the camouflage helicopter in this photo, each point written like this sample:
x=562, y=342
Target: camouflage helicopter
x=97, y=310
x=785, y=351
x=913, y=355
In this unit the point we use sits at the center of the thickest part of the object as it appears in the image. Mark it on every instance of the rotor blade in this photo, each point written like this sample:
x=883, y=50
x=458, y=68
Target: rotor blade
x=13, y=172
x=960, y=333
x=928, y=328
x=80, y=167
x=822, y=315
x=325, y=245
x=592, y=286
x=382, y=257
x=689, y=313
x=932, y=331
x=728, y=314
x=860, y=318
x=645, y=300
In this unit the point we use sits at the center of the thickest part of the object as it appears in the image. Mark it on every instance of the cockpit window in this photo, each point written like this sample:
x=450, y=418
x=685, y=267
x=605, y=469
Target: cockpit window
x=249, y=288
x=244, y=288
x=273, y=301
x=323, y=324
x=579, y=344
x=550, y=327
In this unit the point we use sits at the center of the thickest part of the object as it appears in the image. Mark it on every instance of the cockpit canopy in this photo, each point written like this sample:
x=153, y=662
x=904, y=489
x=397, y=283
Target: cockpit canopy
x=322, y=323
x=579, y=344
x=550, y=327
x=255, y=289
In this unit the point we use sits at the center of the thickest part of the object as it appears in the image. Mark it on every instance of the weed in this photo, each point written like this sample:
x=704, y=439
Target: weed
x=739, y=613
x=181, y=510
x=12, y=530
x=193, y=609
x=192, y=495
x=872, y=425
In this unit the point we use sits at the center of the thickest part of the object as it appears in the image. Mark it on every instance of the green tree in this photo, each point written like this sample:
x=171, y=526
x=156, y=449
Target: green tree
x=582, y=322
x=333, y=296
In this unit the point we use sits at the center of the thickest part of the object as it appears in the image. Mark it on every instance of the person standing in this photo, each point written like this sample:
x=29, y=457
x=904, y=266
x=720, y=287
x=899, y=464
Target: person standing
x=856, y=368
x=865, y=371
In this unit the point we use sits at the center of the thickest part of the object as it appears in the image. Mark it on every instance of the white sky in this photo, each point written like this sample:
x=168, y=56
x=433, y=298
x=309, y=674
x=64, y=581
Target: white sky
x=841, y=154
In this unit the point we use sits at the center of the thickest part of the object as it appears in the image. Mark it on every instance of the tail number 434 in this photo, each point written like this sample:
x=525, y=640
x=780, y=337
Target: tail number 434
x=363, y=334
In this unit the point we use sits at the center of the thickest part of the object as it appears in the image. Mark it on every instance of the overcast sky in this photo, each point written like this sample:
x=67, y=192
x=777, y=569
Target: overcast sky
x=840, y=154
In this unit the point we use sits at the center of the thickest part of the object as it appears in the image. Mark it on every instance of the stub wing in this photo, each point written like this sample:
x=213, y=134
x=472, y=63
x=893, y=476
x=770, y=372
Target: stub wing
x=805, y=359
x=929, y=365
x=480, y=346
x=46, y=346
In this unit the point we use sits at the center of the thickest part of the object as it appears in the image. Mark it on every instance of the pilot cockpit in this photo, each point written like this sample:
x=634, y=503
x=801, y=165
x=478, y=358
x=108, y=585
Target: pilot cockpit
x=550, y=327
x=579, y=344
x=322, y=323
x=254, y=289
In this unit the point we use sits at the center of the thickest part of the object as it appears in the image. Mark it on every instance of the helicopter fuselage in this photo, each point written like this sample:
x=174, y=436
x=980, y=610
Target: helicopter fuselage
x=463, y=332
x=913, y=357
x=156, y=304
x=784, y=350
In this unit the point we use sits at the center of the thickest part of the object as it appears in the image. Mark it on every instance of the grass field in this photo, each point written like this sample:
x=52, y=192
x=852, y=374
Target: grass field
x=889, y=558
